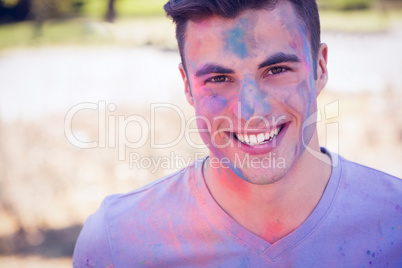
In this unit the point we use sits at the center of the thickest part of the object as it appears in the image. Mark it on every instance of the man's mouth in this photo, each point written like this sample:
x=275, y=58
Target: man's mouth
x=258, y=138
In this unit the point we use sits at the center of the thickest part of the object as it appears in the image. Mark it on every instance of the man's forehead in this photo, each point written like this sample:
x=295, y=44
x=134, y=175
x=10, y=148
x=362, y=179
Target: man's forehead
x=283, y=11
x=282, y=19
x=242, y=34
x=215, y=22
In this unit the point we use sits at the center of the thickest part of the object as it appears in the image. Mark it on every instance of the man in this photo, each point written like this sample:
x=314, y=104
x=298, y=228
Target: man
x=267, y=196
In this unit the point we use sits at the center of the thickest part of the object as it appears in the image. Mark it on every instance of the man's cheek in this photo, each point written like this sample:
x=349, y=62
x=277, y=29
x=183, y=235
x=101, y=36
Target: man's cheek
x=212, y=103
x=298, y=98
x=204, y=124
x=307, y=107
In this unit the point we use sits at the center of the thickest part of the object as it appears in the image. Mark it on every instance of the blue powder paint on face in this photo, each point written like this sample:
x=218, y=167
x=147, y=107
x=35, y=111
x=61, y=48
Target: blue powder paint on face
x=215, y=102
x=224, y=102
x=312, y=63
x=251, y=100
x=235, y=42
x=307, y=98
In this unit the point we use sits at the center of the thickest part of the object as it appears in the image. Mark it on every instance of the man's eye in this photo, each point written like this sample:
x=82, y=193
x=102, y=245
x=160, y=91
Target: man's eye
x=218, y=79
x=276, y=70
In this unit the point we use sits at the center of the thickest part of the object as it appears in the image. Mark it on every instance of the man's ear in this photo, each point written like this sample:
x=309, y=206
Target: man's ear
x=187, y=89
x=322, y=70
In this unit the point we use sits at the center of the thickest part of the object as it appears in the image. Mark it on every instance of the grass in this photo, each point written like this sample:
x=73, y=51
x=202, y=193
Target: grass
x=345, y=4
x=134, y=31
x=125, y=8
x=15, y=34
x=140, y=8
x=25, y=34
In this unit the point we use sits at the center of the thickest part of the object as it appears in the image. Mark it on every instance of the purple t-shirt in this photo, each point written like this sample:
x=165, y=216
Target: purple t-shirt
x=175, y=222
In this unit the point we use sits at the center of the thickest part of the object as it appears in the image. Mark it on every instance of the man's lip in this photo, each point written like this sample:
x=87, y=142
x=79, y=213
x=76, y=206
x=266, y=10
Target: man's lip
x=257, y=131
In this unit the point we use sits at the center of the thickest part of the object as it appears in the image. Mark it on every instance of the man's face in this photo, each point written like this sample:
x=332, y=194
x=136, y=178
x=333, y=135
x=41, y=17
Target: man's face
x=251, y=82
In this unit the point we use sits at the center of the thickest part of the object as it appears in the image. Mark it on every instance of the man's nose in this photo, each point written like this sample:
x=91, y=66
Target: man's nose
x=251, y=101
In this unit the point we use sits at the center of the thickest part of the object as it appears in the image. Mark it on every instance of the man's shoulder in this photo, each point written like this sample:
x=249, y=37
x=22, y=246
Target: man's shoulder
x=159, y=193
x=139, y=215
x=371, y=176
x=369, y=183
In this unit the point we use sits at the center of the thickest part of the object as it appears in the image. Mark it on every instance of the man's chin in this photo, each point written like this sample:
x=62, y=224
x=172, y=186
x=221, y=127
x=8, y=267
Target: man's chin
x=264, y=179
x=260, y=170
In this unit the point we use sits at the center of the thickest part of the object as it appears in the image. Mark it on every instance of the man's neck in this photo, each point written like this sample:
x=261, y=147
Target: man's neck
x=271, y=211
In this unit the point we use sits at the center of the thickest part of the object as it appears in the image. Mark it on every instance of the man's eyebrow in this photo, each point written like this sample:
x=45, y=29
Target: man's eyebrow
x=278, y=58
x=212, y=68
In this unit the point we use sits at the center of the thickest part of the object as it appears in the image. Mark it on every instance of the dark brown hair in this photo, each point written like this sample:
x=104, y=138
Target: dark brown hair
x=182, y=11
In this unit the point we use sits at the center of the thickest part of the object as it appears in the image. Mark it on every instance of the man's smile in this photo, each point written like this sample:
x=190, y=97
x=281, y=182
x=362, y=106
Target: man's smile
x=258, y=138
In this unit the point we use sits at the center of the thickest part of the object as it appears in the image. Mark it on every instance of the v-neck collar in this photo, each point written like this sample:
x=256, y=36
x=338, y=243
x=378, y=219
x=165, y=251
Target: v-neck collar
x=261, y=246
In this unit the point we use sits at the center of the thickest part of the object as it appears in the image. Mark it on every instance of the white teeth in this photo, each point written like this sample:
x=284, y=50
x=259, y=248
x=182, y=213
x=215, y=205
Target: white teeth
x=240, y=137
x=253, y=139
x=260, y=138
x=246, y=139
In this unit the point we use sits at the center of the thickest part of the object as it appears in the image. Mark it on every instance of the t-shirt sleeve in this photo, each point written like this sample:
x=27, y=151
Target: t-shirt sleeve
x=92, y=248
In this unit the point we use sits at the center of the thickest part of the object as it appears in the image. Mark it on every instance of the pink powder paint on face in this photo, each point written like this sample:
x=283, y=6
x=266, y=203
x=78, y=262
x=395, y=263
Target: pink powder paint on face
x=293, y=45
